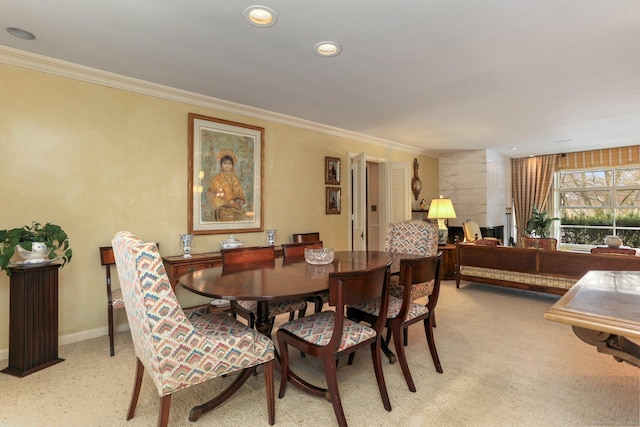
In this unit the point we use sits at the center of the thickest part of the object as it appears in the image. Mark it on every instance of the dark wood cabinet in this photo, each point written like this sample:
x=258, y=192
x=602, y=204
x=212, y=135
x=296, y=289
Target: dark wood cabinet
x=33, y=319
x=448, y=261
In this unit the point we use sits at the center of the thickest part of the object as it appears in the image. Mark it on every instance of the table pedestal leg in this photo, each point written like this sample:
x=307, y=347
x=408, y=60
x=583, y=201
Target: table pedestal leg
x=263, y=323
x=617, y=346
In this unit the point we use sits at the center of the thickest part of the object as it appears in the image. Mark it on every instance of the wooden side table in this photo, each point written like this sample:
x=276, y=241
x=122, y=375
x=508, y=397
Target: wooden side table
x=448, y=262
x=33, y=319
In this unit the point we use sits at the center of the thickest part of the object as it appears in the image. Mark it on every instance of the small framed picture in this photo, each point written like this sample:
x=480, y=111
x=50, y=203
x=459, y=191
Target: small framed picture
x=332, y=170
x=333, y=200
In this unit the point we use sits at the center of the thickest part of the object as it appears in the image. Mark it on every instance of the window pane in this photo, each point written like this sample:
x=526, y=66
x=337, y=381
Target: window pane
x=585, y=198
x=584, y=236
x=576, y=216
x=628, y=177
x=628, y=197
x=628, y=218
x=586, y=179
x=629, y=237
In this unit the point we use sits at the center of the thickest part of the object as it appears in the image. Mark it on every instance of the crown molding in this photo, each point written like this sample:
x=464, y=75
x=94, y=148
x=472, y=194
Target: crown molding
x=31, y=61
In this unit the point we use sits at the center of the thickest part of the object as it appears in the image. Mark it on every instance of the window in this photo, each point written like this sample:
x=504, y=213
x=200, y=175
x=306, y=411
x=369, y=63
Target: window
x=593, y=204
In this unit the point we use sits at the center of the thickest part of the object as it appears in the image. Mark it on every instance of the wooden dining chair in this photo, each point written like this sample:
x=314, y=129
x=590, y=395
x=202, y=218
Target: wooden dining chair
x=306, y=237
x=247, y=257
x=329, y=335
x=402, y=312
x=295, y=251
x=114, y=296
x=177, y=348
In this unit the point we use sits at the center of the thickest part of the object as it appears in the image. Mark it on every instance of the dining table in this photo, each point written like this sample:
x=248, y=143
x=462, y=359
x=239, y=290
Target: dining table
x=281, y=278
x=284, y=278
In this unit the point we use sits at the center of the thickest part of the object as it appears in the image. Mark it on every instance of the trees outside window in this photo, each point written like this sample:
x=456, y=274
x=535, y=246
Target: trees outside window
x=596, y=203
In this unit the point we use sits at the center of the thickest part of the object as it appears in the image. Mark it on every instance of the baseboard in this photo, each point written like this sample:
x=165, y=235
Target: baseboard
x=77, y=337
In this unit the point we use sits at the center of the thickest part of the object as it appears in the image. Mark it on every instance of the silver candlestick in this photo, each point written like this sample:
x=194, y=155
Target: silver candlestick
x=185, y=241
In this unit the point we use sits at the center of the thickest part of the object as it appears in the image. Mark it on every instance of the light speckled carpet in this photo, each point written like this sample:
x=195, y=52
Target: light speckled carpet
x=504, y=365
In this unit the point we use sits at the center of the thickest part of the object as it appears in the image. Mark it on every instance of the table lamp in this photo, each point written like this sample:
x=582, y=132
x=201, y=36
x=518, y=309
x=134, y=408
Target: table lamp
x=441, y=209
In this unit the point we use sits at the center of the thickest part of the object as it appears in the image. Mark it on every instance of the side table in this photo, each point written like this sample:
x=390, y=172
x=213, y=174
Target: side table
x=448, y=262
x=33, y=319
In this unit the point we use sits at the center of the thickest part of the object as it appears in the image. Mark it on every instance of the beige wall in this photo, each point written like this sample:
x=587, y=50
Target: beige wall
x=96, y=160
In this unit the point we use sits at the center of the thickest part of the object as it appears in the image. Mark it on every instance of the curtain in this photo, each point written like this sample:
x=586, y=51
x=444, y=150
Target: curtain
x=532, y=179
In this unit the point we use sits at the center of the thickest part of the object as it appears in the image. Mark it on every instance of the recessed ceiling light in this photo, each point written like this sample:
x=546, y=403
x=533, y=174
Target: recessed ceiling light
x=327, y=48
x=260, y=16
x=514, y=148
x=20, y=33
x=560, y=141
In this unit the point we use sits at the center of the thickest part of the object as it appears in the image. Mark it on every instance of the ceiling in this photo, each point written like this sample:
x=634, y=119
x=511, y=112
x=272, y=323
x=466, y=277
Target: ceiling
x=546, y=76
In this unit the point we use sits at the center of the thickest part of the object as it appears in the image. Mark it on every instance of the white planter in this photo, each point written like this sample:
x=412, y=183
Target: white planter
x=39, y=253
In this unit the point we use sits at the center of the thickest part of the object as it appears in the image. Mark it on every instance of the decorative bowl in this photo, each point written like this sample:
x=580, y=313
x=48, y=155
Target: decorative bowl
x=231, y=243
x=613, y=241
x=318, y=256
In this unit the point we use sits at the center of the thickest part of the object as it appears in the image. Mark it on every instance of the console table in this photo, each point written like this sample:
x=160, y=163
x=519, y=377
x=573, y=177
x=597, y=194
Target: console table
x=33, y=319
x=177, y=266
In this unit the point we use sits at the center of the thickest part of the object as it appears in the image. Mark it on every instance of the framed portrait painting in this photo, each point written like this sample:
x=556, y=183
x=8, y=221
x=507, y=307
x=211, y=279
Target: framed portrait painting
x=333, y=200
x=332, y=170
x=225, y=176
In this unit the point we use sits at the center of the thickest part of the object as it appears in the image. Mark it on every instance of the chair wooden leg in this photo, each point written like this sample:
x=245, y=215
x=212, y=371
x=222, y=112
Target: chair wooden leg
x=377, y=367
x=284, y=368
x=165, y=406
x=268, y=383
x=428, y=330
x=402, y=358
x=330, y=373
x=137, y=383
x=111, y=331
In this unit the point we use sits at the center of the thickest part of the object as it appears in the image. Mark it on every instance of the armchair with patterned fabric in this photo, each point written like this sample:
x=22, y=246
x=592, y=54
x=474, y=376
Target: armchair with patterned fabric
x=179, y=348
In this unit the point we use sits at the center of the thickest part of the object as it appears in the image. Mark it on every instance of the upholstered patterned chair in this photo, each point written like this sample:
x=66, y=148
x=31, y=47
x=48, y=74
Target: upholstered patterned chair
x=328, y=335
x=179, y=349
x=402, y=312
x=413, y=237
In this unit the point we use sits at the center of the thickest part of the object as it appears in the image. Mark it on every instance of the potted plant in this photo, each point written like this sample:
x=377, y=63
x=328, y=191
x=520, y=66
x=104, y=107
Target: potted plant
x=51, y=237
x=539, y=225
x=539, y=230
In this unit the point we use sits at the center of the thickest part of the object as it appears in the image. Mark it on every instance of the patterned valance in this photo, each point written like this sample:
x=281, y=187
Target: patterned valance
x=620, y=156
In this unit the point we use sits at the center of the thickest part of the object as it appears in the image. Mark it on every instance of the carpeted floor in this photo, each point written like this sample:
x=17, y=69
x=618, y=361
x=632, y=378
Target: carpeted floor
x=504, y=365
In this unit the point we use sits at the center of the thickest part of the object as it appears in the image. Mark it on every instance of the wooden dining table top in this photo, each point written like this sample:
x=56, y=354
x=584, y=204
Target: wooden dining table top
x=283, y=277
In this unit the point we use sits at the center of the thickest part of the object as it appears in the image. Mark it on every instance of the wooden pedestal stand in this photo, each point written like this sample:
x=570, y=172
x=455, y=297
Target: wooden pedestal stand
x=33, y=319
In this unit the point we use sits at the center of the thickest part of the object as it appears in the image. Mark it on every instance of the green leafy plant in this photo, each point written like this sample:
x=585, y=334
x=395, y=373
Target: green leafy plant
x=50, y=234
x=539, y=225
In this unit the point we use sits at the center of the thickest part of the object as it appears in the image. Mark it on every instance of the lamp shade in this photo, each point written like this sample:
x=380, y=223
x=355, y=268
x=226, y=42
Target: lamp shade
x=441, y=209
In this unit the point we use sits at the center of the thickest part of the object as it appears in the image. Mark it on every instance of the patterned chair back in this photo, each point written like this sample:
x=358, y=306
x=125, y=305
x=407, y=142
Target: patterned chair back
x=414, y=237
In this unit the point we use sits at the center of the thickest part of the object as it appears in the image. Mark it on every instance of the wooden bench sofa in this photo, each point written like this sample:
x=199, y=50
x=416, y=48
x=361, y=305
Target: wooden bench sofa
x=533, y=269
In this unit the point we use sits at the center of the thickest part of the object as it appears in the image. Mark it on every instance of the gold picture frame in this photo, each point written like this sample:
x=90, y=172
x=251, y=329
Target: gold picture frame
x=225, y=188
x=332, y=170
x=333, y=202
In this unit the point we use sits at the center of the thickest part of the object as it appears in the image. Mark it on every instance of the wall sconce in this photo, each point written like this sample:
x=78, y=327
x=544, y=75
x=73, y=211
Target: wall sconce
x=441, y=209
